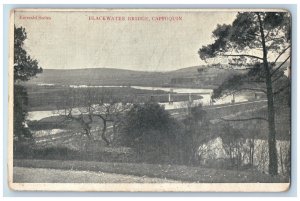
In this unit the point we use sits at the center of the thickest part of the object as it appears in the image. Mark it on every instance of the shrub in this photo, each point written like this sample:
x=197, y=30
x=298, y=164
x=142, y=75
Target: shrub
x=151, y=131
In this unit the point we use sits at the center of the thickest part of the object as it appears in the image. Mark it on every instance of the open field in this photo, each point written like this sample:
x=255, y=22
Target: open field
x=173, y=172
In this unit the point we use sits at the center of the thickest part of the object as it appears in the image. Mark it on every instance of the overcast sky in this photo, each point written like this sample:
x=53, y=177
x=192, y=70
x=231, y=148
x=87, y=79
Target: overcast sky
x=71, y=40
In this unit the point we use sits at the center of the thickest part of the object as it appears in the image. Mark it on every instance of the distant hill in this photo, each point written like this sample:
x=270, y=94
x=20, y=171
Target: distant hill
x=210, y=77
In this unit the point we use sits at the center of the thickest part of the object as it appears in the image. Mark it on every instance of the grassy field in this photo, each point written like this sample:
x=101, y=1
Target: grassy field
x=42, y=175
x=173, y=172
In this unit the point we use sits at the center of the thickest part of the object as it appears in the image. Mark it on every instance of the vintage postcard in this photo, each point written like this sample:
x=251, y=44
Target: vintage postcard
x=177, y=100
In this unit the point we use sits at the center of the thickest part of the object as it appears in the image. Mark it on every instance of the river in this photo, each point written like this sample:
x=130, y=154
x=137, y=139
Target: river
x=204, y=100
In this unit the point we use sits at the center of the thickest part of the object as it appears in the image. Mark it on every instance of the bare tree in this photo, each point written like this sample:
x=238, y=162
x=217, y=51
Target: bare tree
x=109, y=108
x=233, y=144
x=86, y=107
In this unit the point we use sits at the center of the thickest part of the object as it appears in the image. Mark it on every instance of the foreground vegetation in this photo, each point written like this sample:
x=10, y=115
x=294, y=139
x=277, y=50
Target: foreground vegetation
x=153, y=136
x=177, y=172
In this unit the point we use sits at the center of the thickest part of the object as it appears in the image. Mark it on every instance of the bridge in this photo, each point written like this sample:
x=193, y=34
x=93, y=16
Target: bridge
x=222, y=110
x=236, y=114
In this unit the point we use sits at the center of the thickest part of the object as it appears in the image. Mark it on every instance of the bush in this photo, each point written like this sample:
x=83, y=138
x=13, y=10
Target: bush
x=63, y=153
x=21, y=132
x=23, y=149
x=151, y=132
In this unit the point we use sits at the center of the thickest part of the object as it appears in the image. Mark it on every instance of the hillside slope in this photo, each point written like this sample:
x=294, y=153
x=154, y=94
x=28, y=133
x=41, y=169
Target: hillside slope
x=186, y=77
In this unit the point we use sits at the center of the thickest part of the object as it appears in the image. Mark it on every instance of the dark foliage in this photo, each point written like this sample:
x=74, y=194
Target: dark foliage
x=24, y=68
x=64, y=153
x=230, y=84
x=151, y=131
x=196, y=132
x=20, y=113
x=244, y=33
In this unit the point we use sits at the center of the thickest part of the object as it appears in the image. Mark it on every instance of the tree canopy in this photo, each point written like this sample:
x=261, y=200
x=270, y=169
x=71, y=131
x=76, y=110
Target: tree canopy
x=25, y=67
x=240, y=44
x=243, y=37
x=146, y=117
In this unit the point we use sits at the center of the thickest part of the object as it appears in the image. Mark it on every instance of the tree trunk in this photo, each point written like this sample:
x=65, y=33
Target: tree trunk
x=252, y=152
x=281, y=161
x=88, y=133
x=103, y=132
x=273, y=164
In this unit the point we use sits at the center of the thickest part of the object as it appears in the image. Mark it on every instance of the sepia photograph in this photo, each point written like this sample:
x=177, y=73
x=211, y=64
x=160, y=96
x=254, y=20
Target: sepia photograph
x=161, y=100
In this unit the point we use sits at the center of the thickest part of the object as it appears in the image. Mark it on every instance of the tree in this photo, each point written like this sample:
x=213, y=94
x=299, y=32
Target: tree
x=256, y=41
x=144, y=117
x=151, y=131
x=196, y=133
x=110, y=108
x=24, y=68
x=233, y=144
x=86, y=107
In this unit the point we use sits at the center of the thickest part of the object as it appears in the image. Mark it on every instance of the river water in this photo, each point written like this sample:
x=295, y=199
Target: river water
x=204, y=93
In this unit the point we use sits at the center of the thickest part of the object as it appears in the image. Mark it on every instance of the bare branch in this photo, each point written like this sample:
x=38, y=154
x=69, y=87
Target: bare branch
x=281, y=89
x=253, y=89
x=280, y=65
x=278, y=38
x=104, y=118
x=267, y=35
x=281, y=54
x=242, y=55
x=247, y=119
x=277, y=78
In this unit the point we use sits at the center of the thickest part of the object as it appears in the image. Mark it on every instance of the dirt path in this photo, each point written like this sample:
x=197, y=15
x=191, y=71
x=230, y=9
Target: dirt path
x=42, y=175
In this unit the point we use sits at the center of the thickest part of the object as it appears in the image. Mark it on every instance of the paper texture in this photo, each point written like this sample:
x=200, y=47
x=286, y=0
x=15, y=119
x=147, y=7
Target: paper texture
x=153, y=100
